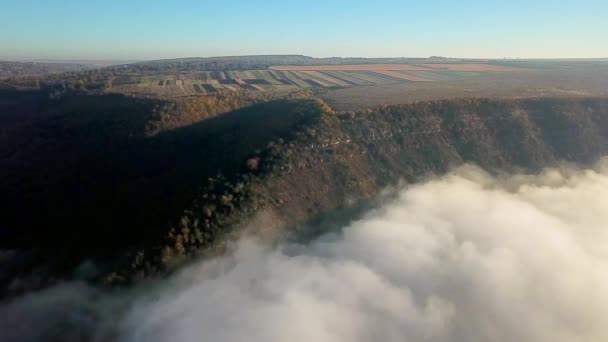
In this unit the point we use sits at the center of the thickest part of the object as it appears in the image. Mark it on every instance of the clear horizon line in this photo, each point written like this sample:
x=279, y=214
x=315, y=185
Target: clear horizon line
x=135, y=60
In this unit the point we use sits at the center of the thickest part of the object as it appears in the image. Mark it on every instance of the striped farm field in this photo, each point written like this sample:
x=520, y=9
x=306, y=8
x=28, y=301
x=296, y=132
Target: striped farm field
x=347, y=77
x=430, y=75
x=327, y=78
x=317, y=79
x=265, y=75
x=395, y=67
x=349, y=67
x=402, y=76
x=278, y=76
x=370, y=77
x=291, y=77
x=246, y=75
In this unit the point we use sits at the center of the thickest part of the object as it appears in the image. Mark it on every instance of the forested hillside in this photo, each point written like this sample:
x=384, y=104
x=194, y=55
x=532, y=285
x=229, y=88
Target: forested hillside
x=138, y=185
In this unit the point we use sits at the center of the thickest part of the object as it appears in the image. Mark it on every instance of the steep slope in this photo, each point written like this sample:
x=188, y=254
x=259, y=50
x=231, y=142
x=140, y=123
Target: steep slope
x=140, y=185
x=339, y=159
x=356, y=155
x=87, y=177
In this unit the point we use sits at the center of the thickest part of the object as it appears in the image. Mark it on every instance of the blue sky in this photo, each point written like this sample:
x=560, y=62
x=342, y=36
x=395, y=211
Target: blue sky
x=150, y=29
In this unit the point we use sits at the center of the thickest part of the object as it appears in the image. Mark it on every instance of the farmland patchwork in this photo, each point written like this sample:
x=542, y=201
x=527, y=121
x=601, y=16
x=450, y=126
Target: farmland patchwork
x=286, y=78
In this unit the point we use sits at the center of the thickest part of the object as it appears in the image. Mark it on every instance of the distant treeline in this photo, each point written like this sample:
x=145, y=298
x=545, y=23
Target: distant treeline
x=24, y=69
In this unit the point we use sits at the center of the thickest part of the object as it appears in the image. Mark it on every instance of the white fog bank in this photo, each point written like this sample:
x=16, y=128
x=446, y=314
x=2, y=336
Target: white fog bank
x=466, y=257
x=463, y=258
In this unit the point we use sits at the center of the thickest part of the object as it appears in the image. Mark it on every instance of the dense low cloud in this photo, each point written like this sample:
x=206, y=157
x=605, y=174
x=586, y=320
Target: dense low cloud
x=466, y=257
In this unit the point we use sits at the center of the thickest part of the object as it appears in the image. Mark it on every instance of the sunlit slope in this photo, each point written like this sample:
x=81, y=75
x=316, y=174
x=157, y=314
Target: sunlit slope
x=341, y=158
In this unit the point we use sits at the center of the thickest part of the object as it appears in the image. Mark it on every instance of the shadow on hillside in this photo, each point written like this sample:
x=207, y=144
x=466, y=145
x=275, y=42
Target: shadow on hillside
x=87, y=178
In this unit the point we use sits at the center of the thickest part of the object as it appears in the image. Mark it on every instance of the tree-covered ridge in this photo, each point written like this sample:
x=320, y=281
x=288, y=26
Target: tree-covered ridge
x=91, y=176
x=140, y=185
x=341, y=157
